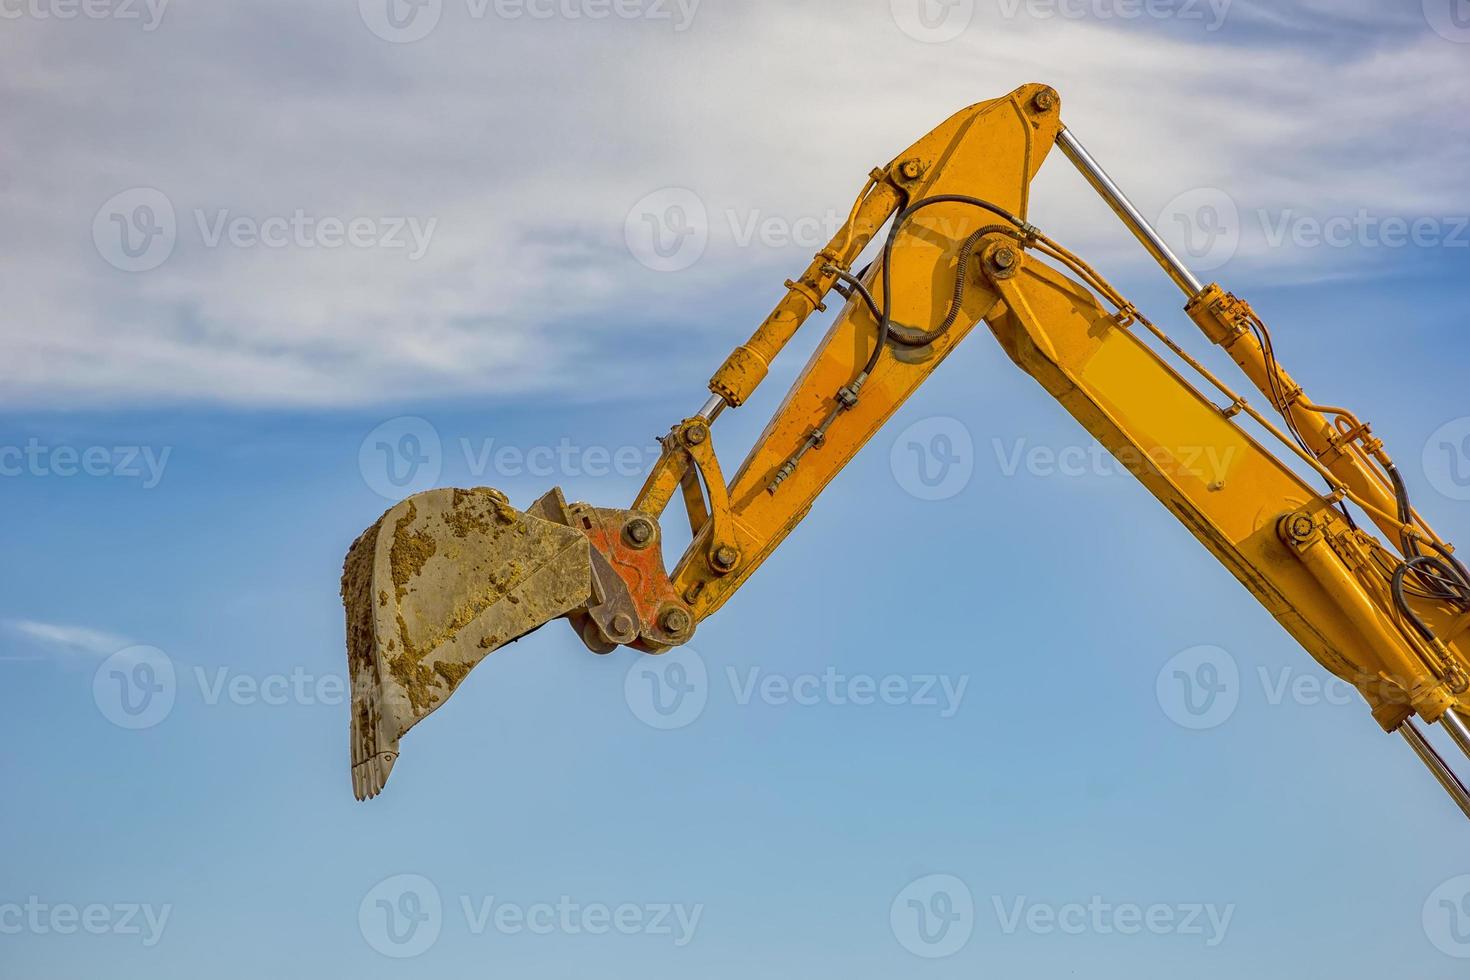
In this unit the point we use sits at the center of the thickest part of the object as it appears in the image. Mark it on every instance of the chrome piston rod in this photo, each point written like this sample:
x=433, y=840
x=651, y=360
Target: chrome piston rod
x=1459, y=730
x=1436, y=765
x=1132, y=217
x=712, y=408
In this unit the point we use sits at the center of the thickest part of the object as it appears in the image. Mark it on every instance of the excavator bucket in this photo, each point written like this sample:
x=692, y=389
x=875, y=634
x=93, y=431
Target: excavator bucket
x=442, y=580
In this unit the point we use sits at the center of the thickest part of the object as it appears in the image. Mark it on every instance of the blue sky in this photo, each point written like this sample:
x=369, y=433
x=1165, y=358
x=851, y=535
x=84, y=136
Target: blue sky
x=1030, y=770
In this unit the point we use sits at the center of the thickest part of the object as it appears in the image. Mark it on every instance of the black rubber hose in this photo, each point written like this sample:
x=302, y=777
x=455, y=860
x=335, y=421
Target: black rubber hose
x=885, y=321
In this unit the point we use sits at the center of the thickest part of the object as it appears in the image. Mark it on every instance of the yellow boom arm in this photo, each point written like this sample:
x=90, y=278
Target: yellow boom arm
x=448, y=576
x=960, y=262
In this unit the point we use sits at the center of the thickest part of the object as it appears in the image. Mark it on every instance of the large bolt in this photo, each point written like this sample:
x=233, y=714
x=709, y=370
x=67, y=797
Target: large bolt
x=676, y=621
x=622, y=624
x=1045, y=100
x=638, y=532
x=1301, y=527
x=726, y=556
x=696, y=434
x=1004, y=258
x=911, y=169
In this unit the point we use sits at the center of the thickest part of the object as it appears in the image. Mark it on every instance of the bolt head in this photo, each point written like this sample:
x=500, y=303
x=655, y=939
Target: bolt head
x=676, y=621
x=697, y=434
x=1302, y=527
x=911, y=169
x=1004, y=258
x=1045, y=100
x=726, y=556
x=638, y=532
x=622, y=624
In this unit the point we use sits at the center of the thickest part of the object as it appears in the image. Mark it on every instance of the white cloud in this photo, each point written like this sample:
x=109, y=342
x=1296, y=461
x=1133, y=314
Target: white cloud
x=528, y=141
x=67, y=639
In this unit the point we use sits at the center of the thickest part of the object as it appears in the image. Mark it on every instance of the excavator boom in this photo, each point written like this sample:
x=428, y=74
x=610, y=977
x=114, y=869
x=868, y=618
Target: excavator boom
x=1275, y=494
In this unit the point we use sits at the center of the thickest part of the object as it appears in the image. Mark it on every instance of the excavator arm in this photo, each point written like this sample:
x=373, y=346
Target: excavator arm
x=450, y=575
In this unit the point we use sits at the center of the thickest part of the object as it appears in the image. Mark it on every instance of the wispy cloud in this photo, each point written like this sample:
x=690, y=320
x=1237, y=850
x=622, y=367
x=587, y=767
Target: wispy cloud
x=66, y=640
x=528, y=141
